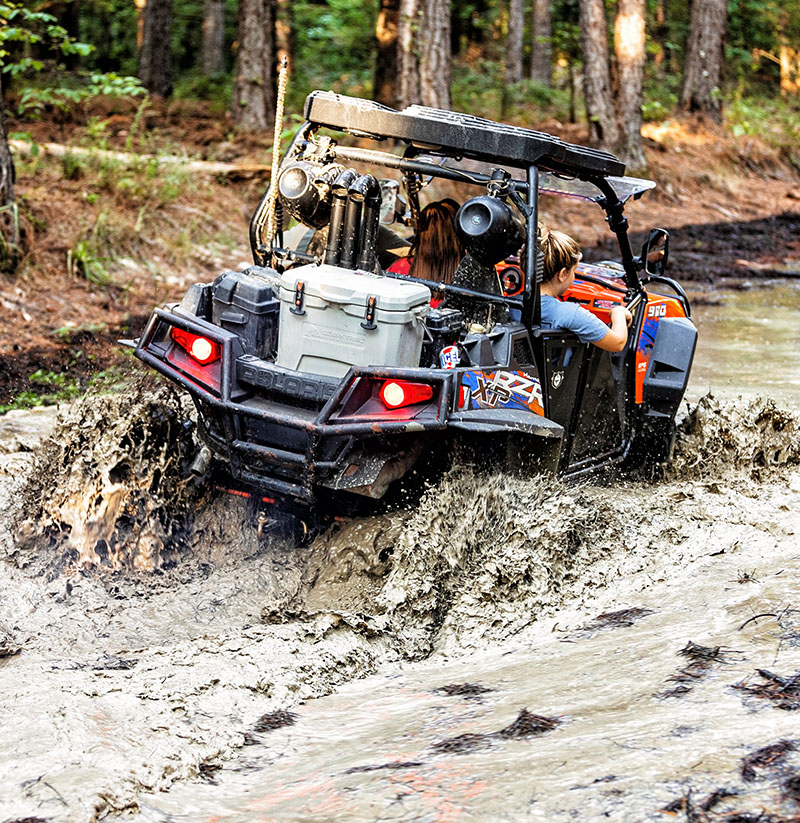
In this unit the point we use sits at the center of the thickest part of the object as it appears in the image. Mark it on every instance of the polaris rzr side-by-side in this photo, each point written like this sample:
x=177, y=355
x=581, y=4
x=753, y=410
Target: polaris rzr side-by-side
x=316, y=372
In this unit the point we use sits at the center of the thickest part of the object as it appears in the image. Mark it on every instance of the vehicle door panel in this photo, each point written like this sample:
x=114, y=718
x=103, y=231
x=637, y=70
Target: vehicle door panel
x=584, y=393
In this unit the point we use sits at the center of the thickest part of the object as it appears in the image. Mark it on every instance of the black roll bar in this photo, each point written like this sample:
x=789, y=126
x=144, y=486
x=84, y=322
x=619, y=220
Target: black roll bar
x=531, y=303
x=618, y=223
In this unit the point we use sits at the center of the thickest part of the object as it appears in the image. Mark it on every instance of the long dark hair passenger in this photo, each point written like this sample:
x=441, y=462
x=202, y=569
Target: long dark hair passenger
x=436, y=250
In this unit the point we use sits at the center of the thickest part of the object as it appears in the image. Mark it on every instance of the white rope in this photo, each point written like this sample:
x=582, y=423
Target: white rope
x=283, y=79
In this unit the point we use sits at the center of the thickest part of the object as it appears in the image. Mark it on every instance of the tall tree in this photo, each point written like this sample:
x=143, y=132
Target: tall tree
x=629, y=48
x=660, y=35
x=386, y=30
x=424, y=53
x=9, y=225
x=541, y=43
x=213, y=51
x=155, y=57
x=254, y=88
x=701, y=69
x=597, y=75
x=514, y=40
x=789, y=54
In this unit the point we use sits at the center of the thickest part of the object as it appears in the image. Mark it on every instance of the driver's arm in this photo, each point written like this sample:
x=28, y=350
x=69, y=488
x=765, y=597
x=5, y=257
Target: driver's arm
x=617, y=336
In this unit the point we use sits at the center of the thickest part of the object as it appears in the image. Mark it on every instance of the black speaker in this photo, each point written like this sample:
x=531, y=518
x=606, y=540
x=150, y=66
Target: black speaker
x=489, y=229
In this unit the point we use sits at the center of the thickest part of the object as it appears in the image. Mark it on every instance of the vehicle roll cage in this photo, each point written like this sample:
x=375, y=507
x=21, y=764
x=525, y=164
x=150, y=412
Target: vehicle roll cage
x=266, y=251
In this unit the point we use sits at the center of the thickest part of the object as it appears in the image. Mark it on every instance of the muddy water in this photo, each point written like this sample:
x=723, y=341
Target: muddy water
x=520, y=662
x=623, y=749
x=750, y=343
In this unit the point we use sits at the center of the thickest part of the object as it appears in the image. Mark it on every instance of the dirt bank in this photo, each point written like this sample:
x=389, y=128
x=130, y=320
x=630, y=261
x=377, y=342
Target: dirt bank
x=129, y=668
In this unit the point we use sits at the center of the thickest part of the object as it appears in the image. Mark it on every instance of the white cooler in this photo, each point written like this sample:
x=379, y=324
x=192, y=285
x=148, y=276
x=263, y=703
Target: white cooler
x=330, y=335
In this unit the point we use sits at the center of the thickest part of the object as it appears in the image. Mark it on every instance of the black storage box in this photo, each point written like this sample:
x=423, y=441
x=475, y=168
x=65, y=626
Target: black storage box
x=443, y=329
x=245, y=304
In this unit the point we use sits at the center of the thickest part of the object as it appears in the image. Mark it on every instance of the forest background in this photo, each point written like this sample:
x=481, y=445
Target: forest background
x=135, y=92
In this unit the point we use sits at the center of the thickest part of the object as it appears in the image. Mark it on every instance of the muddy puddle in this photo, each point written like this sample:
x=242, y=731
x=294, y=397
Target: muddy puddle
x=749, y=344
x=624, y=651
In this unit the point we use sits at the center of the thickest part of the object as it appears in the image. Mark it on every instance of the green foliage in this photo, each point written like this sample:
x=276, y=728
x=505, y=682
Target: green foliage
x=57, y=387
x=83, y=261
x=775, y=121
x=23, y=30
x=194, y=85
x=477, y=88
x=752, y=25
x=660, y=97
x=334, y=47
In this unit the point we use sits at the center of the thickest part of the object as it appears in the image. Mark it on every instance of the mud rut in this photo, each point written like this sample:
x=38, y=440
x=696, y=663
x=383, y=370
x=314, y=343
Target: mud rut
x=147, y=633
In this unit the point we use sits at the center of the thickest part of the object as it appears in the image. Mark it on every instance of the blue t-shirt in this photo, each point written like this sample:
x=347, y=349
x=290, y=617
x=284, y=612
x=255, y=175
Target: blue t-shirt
x=560, y=314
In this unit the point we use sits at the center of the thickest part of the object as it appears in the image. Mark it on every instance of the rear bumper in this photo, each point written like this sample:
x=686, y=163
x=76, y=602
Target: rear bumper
x=284, y=432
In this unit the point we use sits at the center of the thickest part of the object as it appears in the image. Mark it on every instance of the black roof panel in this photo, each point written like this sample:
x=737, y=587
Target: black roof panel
x=462, y=134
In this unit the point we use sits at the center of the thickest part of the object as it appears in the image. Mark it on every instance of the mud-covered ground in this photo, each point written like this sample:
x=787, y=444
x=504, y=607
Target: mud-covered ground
x=148, y=636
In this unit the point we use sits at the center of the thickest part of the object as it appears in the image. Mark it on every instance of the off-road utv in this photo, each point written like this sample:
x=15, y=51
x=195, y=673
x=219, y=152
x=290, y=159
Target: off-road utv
x=316, y=372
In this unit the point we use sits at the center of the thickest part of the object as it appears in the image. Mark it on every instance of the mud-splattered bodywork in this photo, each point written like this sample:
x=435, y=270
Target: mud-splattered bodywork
x=317, y=370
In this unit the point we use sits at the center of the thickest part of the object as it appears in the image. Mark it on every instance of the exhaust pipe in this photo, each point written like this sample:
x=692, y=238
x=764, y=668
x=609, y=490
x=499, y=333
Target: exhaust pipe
x=368, y=190
x=339, y=189
x=351, y=231
x=202, y=460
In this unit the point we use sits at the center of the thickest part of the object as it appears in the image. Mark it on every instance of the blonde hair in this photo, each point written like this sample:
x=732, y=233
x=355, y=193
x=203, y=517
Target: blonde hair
x=560, y=251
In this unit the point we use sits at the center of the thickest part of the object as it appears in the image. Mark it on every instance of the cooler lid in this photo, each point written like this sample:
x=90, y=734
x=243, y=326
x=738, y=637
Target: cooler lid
x=345, y=286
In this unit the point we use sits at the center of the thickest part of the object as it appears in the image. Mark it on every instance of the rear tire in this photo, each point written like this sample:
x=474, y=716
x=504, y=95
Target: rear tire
x=653, y=444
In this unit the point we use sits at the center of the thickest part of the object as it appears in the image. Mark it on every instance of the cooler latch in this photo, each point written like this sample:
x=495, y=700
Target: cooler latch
x=369, y=316
x=299, y=291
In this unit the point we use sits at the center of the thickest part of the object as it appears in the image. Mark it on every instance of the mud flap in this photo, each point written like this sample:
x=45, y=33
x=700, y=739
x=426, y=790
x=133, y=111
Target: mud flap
x=371, y=474
x=515, y=440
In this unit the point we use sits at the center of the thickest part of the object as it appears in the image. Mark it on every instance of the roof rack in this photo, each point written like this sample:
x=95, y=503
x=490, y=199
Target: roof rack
x=464, y=134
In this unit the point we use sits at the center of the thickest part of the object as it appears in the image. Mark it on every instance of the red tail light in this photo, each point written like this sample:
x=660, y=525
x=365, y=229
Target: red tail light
x=199, y=348
x=398, y=393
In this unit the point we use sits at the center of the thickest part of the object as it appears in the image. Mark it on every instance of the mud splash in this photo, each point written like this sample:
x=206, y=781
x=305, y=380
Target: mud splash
x=109, y=485
x=754, y=436
x=505, y=551
x=187, y=631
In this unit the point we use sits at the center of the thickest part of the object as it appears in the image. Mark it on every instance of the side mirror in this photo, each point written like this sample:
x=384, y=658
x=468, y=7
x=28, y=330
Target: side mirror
x=655, y=253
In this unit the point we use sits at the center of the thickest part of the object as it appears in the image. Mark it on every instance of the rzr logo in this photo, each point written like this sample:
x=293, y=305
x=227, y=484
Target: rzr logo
x=504, y=389
x=557, y=379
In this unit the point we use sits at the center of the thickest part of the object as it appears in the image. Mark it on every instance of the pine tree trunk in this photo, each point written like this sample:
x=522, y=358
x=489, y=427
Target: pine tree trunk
x=155, y=58
x=788, y=57
x=434, y=41
x=386, y=65
x=596, y=75
x=701, y=71
x=140, y=7
x=254, y=89
x=407, y=52
x=424, y=53
x=541, y=43
x=629, y=47
x=790, y=69
x=660, y=35
x=516, y=31
x=213, y=52
x=9, y=225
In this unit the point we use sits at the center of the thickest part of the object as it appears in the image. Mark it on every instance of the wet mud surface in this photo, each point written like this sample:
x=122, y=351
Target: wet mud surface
x=741, y=250
x=619, y=650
